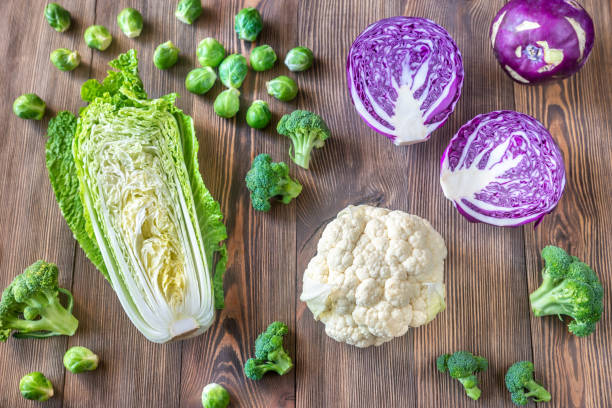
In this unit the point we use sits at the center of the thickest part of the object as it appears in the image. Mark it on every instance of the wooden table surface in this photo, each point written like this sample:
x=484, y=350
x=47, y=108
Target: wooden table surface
x=489, y=270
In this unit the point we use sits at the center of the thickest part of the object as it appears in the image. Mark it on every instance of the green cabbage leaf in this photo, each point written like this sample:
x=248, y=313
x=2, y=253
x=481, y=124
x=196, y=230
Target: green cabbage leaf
x=126, y=177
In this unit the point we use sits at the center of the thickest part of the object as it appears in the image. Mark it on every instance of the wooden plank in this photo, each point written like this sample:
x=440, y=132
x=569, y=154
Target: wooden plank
x=260, y=280
x=577, y=112
x=134, y=372
x=30, y=220
x=358, y=166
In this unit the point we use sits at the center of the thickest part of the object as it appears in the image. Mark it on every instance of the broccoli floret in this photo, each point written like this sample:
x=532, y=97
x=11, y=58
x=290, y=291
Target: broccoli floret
x=30, y=305
x=307, y=131
x=267, y=180
x=269, y=353
x=569, y=287
x=463, y=365
x=520, y=383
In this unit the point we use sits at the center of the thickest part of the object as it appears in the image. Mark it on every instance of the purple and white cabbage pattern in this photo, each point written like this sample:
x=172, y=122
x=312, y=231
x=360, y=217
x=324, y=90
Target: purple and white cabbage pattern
x=539, y=40
x=405, y=76
x=503, y=168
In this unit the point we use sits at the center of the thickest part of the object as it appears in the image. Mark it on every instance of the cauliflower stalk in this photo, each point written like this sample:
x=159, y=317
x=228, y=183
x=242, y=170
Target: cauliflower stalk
x=376, y=273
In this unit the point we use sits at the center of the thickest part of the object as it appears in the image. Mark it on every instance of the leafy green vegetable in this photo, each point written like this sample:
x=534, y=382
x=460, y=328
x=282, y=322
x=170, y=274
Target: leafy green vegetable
x=29, y=106
x=215, y=396
x=227, y=103
x=35, y=295
x=166, y=55
x=35, y=386
x=258, y=115
x=522, y=386
x=188, y=11
x=200, y=80
x=130, y=22
x=282, y=88
x=248, y=24
x=57, y=17
x=267, y=180
x=144, y=204
x=463, y=366
x=270, y=354
x=306, y=131
x=79, y=359
x=64, y=59
x=569, y=287
x=210, y=52
x=233, y=70
x=299, y=59
x=262, y=58
x=98, y=37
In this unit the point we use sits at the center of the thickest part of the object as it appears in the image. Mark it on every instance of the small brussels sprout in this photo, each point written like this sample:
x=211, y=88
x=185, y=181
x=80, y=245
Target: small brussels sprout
x=282, y=88
x=258, y=115
x=29, y=106
x=188, y=11
x=299, y=59
x=130, y=22
x=215, y=396
x=64, y=59
x=210, y=52
x=35, y=386
x=98, y=37
x=78, y=359
x=165, y=55
x=248, y=24
x=233, y=70
x=227, y=103
x=262, y=58
x=200, y=80
x=57, y=17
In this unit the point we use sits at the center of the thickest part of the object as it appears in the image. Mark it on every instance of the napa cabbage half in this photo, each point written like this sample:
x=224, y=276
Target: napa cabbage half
x=125, y=174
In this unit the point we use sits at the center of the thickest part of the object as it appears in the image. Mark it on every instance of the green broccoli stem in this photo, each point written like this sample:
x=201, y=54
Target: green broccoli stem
x=539, y=393
x=551, y=302
x=547, y=285
x=292, y=190
x=303, y=143
x=471, y=390
x=54, y=319
x=282, y=363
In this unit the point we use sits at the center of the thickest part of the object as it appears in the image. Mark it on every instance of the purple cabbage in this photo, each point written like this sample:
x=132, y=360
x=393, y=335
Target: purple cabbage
x=539, y=40
x=404, y=76
x=503, y=168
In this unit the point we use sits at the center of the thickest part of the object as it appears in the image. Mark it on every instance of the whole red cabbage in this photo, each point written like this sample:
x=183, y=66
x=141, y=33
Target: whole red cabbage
x=503, y=168
x=539, y=40
x=404, y=75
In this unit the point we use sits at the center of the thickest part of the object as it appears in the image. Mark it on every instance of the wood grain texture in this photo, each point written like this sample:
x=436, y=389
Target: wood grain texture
x=489, y=273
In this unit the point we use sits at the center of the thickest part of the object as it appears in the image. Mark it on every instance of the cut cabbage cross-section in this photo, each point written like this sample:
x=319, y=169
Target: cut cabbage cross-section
x=404, y=76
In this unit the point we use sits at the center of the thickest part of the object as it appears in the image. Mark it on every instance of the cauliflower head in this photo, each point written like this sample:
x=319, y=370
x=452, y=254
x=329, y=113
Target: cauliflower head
x=376, y=273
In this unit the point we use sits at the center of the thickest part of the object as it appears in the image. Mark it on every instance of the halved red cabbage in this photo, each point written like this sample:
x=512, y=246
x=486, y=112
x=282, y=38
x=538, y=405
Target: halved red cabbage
x=503, y=168
x=538, y=40
x=404, y=75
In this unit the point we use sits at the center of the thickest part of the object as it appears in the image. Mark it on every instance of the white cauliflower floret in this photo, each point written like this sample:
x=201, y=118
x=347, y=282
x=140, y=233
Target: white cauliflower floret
x=376, y=274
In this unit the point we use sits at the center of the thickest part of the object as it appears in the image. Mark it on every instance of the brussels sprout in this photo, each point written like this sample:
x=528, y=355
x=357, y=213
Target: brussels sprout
x=29, y=106
x=78, y=359
x=200, y=80
x=262, y=58
x=227, y=103
x=233, y=70
x=215, y=396
x=188, y=11
x=98, y=37
x=248, y=24
x=282, y=88
x=130, y=22
x=35, y=386
x=57, y=17
x=299, y=59
x=258, y=115
x=166, y=55
x=64, y=59
x=210, y=52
